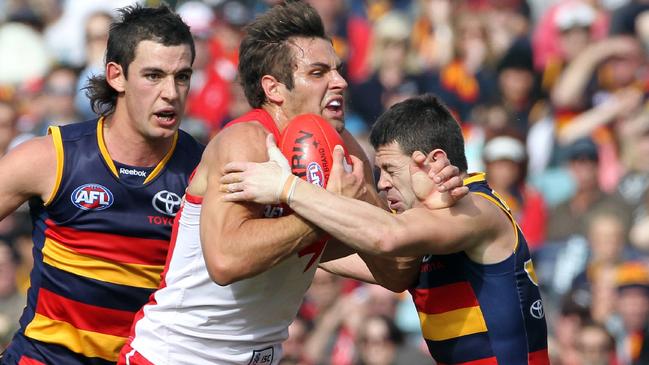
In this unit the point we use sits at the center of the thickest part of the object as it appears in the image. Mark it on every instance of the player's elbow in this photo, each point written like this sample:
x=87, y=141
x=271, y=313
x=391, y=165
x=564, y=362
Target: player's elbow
x=224, y=271
x=397, y=286
x=386, y=244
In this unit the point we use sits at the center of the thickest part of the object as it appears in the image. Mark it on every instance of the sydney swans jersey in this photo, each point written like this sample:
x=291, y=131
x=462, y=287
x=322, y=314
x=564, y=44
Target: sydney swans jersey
x=482, y=314
x=192, y=320
x=100, y=246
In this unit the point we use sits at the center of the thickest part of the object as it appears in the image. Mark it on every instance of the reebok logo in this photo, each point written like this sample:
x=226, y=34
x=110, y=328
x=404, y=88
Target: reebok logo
x=135, y=172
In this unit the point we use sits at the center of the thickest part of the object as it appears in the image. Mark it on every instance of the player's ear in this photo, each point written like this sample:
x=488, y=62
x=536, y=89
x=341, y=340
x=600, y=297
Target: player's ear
x=115, y=76
x=272, y=88
x=435, y=155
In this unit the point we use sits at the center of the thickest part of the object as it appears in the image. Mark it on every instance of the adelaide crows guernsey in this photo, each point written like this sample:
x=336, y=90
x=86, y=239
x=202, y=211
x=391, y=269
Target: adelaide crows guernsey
x=100, y=245
x=475, y=314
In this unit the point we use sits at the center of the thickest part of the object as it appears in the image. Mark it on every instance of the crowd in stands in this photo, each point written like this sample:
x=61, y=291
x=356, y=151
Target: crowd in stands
x=551, y=97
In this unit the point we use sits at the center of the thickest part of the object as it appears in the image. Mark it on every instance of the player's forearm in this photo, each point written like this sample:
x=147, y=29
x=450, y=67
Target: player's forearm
x=358, y=224
x=393, y=273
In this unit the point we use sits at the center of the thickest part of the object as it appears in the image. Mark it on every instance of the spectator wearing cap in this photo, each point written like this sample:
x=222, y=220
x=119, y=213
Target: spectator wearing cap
x=506, y=167
x=557, y=22
x=598, y=89
x=568, y=218
x=632, y=329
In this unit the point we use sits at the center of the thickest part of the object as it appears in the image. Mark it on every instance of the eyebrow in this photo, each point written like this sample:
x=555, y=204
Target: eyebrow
x=159, y=70
x=326, y=65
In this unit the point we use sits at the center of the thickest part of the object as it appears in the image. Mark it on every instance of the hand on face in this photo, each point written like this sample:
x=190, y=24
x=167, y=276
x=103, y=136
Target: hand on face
x=346, y=180
x=257, y=182
x=446, y=177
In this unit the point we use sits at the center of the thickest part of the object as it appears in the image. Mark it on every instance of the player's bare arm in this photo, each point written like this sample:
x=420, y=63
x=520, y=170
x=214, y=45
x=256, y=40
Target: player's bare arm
x=238, y=242
x=473, y=224
x=26, y=171
x=343, y=224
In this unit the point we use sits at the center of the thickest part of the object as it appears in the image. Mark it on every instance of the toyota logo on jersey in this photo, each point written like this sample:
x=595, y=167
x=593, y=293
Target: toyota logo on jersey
x=92, y=197
x=166, y=202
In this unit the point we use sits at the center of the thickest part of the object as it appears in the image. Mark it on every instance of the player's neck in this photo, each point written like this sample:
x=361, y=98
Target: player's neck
x=278, y=115
x=126, y=145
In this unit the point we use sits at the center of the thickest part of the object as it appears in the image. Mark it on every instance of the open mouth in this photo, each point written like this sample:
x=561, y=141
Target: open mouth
x=335, y=106
x=166, y=117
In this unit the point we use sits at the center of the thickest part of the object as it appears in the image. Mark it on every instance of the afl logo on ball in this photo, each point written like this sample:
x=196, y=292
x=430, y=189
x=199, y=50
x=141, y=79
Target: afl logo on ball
x=314, y=174
x=166, y=202
x=92, y=197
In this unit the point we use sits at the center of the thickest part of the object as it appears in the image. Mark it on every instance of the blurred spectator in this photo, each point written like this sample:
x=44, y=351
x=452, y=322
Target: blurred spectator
x=517, y=83
x=12, y=301
x=208, y=94
x=217, y=33
x=293, y=347
x=336, y=322
x=623, y=19
x=632, y=334
x=572, y=315
x=8, y=119
x=381, y=343
x=24, y=54
x=633, y=187
x=506, y=168
x=607, y=233
x=351, y=35
x=392, y=79
x=96, y=38
x=569, y=217
x=466, y=80
x=432, y=36
x=57, y=99
x=571, y=23
x=21, y=234
x=595, y=345
x=507, y=21
x=600, y=86
x=551, y=48
x=64, y=34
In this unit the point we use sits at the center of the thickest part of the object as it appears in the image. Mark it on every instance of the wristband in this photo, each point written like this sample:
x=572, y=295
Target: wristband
x=289, y=186
x=291, y=191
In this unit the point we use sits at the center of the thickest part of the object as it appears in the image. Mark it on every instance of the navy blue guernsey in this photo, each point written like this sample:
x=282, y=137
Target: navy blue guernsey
x=477, y=314
x=100, y=245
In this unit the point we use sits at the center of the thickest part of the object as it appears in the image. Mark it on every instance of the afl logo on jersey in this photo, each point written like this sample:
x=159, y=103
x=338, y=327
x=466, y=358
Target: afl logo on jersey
x=314, y=174
x=92, y=197
x=166, y=202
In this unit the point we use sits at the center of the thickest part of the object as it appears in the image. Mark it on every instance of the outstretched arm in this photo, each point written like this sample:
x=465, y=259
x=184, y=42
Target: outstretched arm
x=359, y=224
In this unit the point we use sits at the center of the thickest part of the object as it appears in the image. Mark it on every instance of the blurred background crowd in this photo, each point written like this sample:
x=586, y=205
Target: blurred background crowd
x=552, y=99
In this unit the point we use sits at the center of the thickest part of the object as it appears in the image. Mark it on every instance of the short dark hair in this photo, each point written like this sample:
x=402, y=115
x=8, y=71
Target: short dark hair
x=136, y=24
x=421, y=123
x=265, y=48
